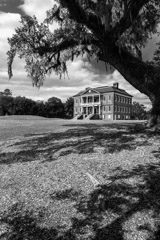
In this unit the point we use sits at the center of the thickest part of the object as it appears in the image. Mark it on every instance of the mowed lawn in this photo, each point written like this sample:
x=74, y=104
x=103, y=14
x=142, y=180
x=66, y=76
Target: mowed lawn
x=63, y=179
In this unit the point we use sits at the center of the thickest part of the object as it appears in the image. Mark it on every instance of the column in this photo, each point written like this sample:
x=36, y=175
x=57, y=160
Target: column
x=86, y=110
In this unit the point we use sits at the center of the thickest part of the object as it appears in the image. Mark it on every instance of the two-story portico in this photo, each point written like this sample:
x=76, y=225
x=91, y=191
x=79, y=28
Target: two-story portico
x=103, y=103
x=90, y=102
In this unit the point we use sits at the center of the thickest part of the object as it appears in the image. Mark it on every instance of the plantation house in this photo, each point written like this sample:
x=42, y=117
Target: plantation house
x=104, y=102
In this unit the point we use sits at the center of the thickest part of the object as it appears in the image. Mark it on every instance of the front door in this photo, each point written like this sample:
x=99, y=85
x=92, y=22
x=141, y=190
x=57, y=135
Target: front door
x=95, y=110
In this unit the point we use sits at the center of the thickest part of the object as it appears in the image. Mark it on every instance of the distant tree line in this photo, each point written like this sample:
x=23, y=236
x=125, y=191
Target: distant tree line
x=52, y=108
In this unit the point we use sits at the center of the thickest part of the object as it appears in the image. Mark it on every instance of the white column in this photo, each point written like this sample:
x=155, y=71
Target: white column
x=99, y=104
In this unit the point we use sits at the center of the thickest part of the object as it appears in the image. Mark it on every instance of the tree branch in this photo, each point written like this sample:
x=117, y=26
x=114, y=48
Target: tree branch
x=78, y=14
x=64, y=45
x=128, y=18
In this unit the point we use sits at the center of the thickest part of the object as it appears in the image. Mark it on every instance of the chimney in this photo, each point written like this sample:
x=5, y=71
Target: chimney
x=116, y=85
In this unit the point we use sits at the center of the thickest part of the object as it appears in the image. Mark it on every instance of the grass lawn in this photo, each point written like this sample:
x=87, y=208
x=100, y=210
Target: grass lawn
x=75, y=180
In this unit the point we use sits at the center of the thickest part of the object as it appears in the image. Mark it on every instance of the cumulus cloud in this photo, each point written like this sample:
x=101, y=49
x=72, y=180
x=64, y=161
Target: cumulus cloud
x=82, y=73
x=37, y=8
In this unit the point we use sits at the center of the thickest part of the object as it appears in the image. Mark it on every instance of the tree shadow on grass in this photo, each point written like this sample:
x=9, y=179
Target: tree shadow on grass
x=19, y=223
x=126, y=208
x=81, y=139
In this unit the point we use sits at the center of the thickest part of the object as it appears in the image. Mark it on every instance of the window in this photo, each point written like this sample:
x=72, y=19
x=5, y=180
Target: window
x=115, y=108
x=89, y=99
x=118, y=109
x=103, y=108
x=109, y=98
x=75, y=109
x=115, y=98
x=109, y=108
x=129, y=110
x=118, y=98
x=127, y=100
x=104, y=98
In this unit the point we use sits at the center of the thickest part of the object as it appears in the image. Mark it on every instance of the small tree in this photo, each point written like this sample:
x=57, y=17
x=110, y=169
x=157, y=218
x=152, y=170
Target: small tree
x=112, y=31
x=6, y=105
x=139, y=111
x=54, y=108
x=68, y=107
x=7, y=92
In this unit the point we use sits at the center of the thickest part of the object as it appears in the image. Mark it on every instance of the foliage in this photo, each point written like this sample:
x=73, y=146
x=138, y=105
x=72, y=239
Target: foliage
x=68, y=106
x=84, y=27
x=53, y=108
x=7, y=92
x=139, y=111
x=6, y=105
x=113, y=31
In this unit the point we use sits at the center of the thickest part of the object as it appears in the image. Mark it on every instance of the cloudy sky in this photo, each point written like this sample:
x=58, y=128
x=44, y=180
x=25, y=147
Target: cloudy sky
x=82, y=73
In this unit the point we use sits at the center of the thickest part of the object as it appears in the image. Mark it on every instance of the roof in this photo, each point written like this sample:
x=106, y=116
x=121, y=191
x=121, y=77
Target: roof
x=104, y=89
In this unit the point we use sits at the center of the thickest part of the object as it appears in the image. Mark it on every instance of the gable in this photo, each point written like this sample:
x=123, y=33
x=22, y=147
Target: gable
x=90, y=92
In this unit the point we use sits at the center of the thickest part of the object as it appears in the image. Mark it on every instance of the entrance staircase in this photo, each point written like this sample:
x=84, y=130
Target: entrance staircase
x=79, y=116
x=89, y=116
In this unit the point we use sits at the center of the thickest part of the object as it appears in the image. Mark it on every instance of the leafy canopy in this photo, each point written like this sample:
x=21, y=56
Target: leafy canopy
x=85, y=27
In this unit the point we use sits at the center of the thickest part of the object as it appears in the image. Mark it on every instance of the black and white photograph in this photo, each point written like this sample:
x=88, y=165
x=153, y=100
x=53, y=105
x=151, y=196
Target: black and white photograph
x=80, y=120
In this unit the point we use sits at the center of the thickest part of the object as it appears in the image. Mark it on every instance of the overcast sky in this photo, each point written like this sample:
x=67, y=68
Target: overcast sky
x=82, y=73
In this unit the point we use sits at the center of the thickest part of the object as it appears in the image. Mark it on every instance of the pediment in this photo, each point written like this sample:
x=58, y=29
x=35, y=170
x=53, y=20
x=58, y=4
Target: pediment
x=90, y=92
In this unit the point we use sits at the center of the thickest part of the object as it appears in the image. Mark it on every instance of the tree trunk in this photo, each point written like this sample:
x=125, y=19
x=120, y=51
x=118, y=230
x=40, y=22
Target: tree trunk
x=154, y=119
x=142, y=76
